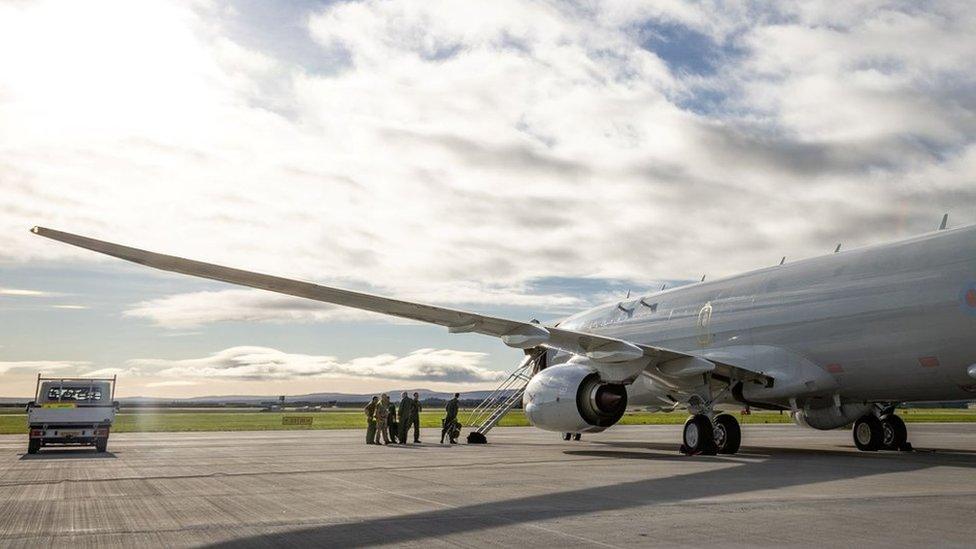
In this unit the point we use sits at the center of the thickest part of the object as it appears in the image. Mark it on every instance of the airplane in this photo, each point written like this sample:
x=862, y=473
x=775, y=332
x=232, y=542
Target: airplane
x=836, y=340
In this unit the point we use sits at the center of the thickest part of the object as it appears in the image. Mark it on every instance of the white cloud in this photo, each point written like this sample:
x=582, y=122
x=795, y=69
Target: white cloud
x=70, y=307
x=533, y=139
x=264, y=364
x=41, y=366
x=198, y=308
x=15, y=292
x=174, y=383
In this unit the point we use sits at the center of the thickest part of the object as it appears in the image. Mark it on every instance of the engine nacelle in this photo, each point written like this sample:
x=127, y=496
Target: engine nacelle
x=830, y=417
x=571, y=398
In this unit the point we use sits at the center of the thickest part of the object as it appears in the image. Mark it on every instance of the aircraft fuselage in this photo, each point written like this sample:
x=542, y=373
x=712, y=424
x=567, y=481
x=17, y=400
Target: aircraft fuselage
x=893, y=322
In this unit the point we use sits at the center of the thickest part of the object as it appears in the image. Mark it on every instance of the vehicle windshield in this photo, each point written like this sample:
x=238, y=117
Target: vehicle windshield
x=74, y=393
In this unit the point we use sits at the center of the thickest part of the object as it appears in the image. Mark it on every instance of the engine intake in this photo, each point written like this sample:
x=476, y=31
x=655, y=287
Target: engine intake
x=572, y=398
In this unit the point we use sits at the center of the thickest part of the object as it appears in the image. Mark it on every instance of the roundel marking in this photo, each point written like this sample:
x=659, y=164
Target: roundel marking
x=967, y=298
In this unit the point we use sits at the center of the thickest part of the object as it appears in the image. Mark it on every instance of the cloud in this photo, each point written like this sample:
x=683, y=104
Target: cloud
x=266, y=364
x=14, y=292
x=71, y=307
x=174, y=383
x=41, y=366
x=199, y=308
x=424, y=147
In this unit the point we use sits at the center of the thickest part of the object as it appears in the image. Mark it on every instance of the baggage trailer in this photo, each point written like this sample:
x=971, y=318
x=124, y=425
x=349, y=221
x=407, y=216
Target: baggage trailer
x=71, y=412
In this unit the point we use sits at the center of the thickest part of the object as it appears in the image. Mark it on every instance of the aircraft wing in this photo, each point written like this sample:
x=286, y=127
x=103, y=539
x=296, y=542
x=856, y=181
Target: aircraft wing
x=523, y=335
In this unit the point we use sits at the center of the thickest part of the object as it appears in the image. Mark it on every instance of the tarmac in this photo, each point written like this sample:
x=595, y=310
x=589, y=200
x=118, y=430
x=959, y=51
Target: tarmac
x=624, y=488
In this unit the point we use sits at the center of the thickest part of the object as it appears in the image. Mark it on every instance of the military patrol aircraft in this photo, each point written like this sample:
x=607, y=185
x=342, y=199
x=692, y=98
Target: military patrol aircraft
x=837, y=339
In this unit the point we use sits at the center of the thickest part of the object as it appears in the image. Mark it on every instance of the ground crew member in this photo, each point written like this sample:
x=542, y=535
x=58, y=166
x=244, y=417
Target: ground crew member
x=415, y=417
x=447, y=427
x=370, y=410
x=381, y=414
x=405, y=404
x=391, y=421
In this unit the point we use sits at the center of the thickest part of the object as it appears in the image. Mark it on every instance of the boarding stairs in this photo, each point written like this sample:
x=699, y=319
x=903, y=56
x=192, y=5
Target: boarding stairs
x=505, y=397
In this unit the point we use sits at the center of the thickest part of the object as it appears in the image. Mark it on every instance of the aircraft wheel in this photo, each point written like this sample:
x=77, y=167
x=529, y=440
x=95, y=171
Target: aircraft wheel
x=33, y=445
x=894, y=433
x=868, y=433
x=728, y=435
x=567, y=436
x=698, y=436
x=577, y=436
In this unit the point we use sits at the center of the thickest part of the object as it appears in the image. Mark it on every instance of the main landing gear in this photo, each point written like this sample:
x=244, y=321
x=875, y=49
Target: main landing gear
x=887, y=432
x=702, y=435
x=572, y=436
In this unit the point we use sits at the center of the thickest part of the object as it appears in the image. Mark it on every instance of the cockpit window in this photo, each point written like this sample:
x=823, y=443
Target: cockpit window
x=74, y=394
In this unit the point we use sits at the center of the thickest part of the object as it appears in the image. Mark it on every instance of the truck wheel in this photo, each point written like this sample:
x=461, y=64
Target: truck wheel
x=33, y=445
x=101, y=444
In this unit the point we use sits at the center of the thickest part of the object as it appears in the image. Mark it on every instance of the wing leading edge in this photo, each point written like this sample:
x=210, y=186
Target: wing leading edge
x=522, y=335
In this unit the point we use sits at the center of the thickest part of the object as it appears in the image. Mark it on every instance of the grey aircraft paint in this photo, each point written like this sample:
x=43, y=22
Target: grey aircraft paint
x=887, y=323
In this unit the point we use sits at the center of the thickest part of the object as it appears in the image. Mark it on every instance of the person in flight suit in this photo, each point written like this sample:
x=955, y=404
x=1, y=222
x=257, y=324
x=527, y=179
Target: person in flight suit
x=447, y=427
x=391, y=421
x=405, y=404
x=370, y=411
x=381, y=414
x=415, y=417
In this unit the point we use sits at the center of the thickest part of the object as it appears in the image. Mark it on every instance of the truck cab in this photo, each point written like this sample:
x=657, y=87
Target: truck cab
x=71, y=412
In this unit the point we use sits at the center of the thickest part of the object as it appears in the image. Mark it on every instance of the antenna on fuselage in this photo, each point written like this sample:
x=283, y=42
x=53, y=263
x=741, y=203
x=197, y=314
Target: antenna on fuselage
x=781, y=261
x=663, y=286
x=837, y=249
x=945, y=221
x=703, y=278
x=628, y=295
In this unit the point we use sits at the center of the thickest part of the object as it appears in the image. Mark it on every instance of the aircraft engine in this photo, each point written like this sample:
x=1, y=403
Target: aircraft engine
x=571, y=398
x=831, y=416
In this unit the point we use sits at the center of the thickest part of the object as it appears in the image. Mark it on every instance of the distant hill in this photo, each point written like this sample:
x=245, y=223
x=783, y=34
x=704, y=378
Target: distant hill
x=425, y=394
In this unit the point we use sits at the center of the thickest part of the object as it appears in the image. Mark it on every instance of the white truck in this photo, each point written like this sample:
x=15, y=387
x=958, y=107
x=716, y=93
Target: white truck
x=71, y=411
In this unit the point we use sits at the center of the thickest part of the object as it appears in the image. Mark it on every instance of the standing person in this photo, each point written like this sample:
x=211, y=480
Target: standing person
x=381, y=415
x=405, y=405
x=391, y=421
x=447, y=427
x=415, y=417
x=370, y=410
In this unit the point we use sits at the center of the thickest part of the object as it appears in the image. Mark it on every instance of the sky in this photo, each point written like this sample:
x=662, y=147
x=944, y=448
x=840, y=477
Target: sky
x=524, y=159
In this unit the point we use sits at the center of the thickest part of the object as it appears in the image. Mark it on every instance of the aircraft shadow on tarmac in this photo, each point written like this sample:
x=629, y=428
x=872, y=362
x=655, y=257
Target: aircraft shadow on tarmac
x=776, y=468
x=67, y=453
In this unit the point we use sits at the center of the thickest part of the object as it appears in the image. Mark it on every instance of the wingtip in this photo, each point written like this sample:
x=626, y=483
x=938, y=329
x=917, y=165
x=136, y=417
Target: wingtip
x=35, y=229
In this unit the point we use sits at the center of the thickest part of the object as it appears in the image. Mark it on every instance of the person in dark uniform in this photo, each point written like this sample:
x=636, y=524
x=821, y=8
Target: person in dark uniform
x=370, y=411
x=406, y=403
x=447, y=427
x=415, y=417
x=391, y=422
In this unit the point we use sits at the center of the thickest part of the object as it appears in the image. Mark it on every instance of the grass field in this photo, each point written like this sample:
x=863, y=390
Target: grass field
x=249, y=420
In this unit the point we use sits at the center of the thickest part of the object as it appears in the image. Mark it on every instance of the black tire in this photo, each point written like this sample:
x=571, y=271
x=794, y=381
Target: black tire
x=894, y=433
x=728, y=434
x=577, y=436
x=868, y=433
x=698, y=436
x=33, y=445
x=101, y=444
x=474, y=437
x=567, y=436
